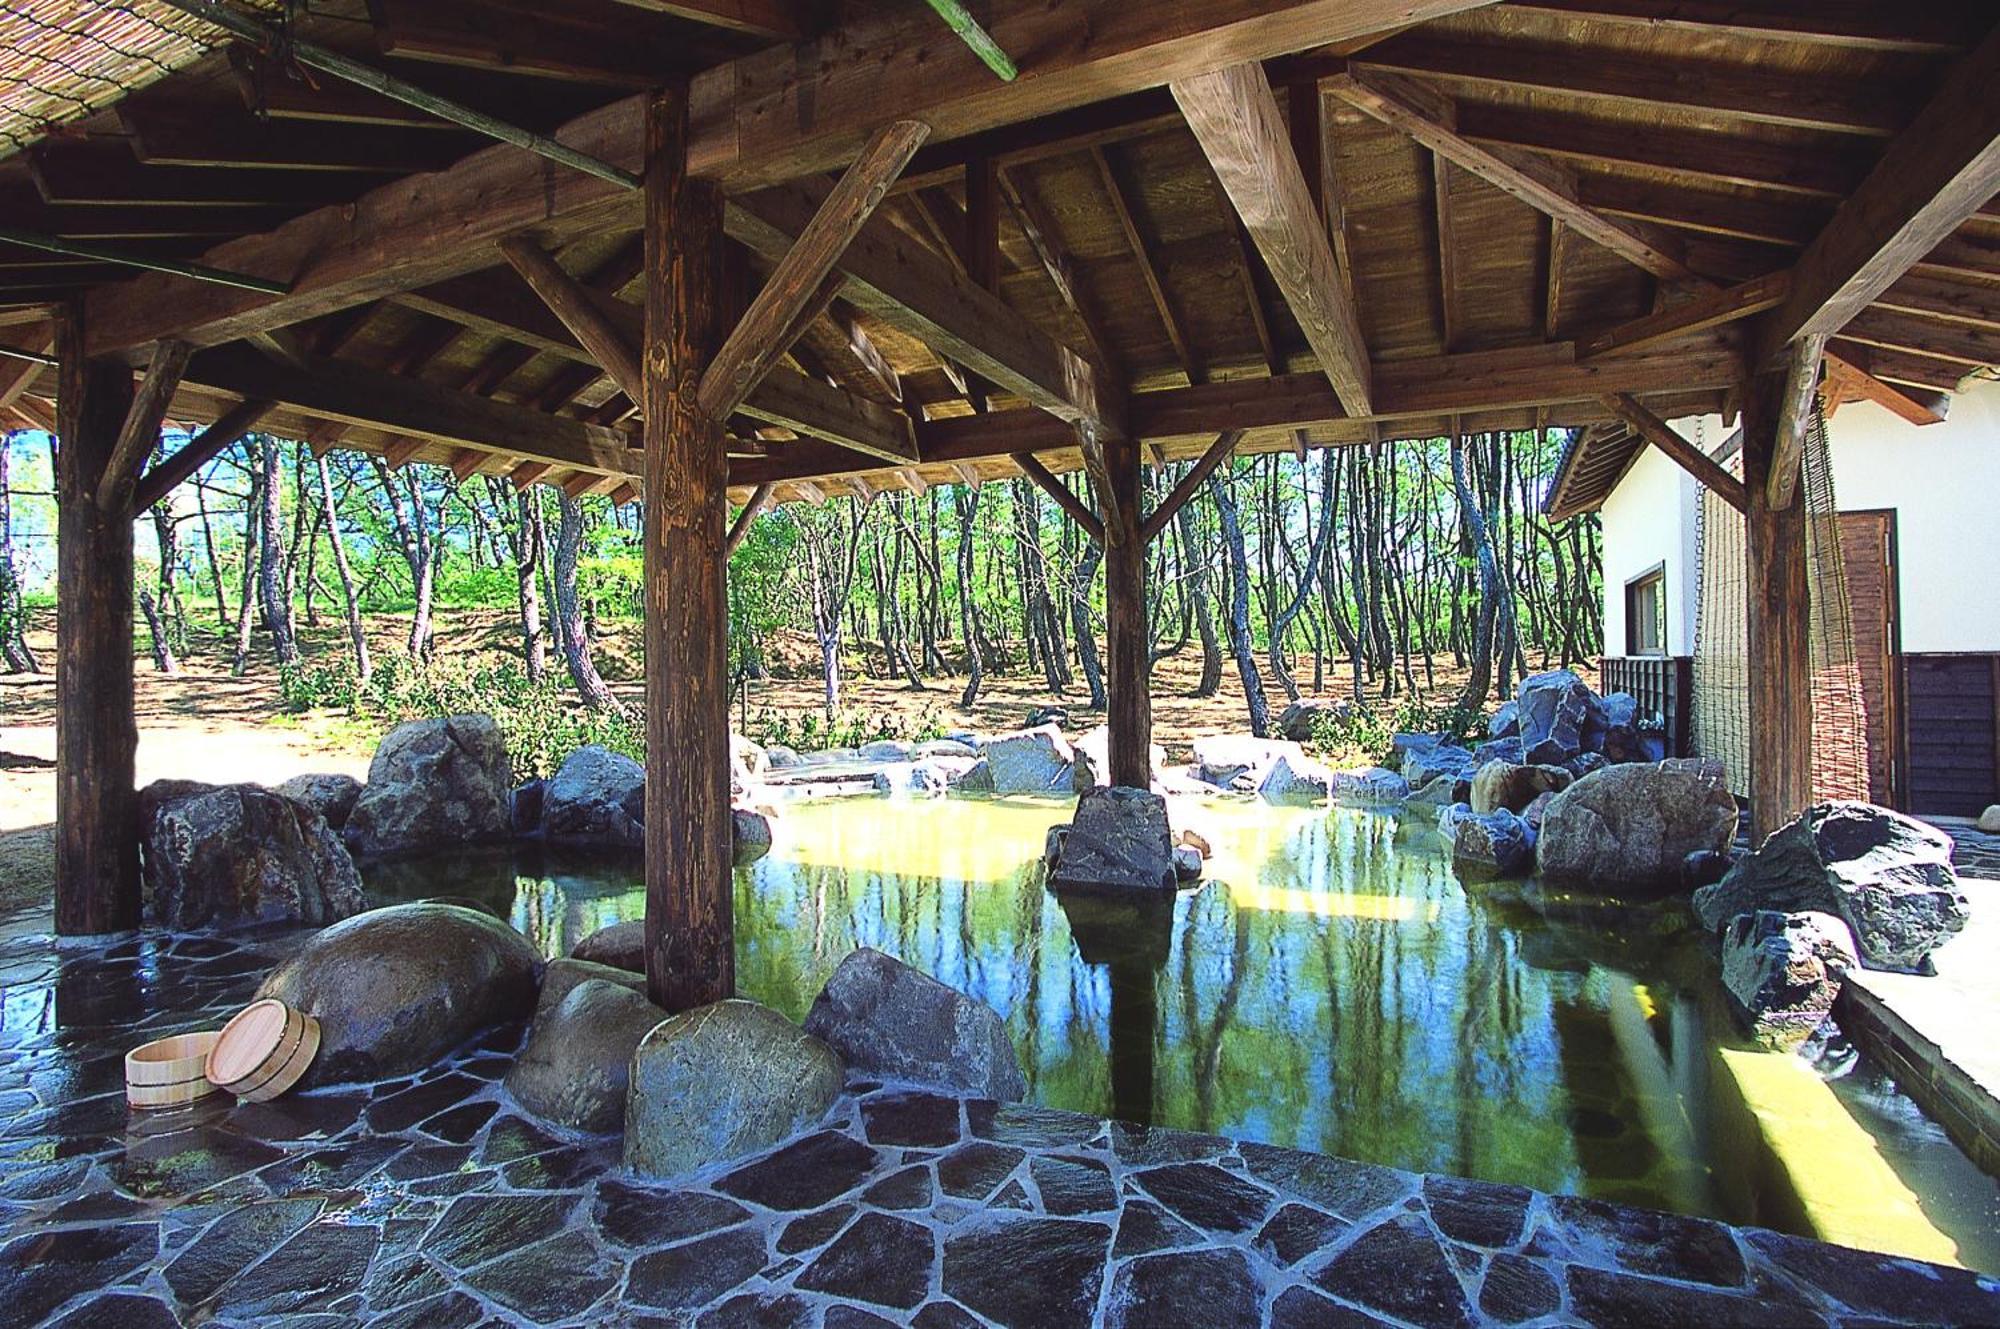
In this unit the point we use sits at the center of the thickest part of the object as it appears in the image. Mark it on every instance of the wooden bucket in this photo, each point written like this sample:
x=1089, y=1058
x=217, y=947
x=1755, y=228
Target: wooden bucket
x=263, y=1050
x=169, y=1072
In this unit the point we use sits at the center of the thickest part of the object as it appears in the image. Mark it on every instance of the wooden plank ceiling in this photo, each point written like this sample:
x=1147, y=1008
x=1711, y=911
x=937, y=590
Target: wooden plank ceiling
x=1508, y=191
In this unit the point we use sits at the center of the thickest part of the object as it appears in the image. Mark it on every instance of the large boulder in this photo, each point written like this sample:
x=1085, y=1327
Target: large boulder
x=1782, y=972
x=1632, y=826
x=1031, y=761
x=1118, y=841
x=1505, y=722
x=332, y=796
x=1887, y=875
x=1500, y=784
x=231, y=855
x=1556, y=709
x=597, y=796
x=1510, y=750
x=1493, y=844
x=1241, y=761
x=395, y=989
x=720, y=1082
x=974, y=779
x=1297, y=779
x=887, y=1019
x=1093, y=759
x=562, y=975
x=750, y=835
x=1302, y=720
x=576, y=1066
x=619, y=945
x=1421, y=765
x=434, y=783
x=1370, y=786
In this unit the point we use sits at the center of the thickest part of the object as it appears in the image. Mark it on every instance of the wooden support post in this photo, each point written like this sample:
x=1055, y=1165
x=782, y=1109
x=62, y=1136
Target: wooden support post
x=1079, y=511
x=1779, y=636
x=760, y=497
x=690, y=935
x=1218, y=452
x=97, y=738
x=1114, y=463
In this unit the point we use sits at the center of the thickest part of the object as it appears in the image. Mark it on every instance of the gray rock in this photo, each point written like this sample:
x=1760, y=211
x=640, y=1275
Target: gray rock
x=525, y=810
x=597, y=797
x=750, y=760
x=1448, y=818
x=226, y=856
x=575, y=1069
x=433, y=783
x=1500, y=784
x=1439, y=791
x=974, y=779
x=395, y=989
x=1633, y=826
x=620, y=945
x=1241, y=761
x=1510, y=750
x=1047, y=715
x=1370, y=785
x=888, y=749
x=1889, y=877
x=888, y=1019
x=1301, y=720
x=1093, y=759
x=1188, y=863
x=750, y=835
x=722, y=1081
x=1556, y=709
x=778, y=757
x=1030, y=761
x=947, y=747
x=1782, y=972
x=1537, y=809
x=562, y=975
x=1422, y=765
x=1497, y=843
x=332, y=796
x=1586, y=763
x=1505, y=722
x=1704, y=867
x=1118, y=841
x=1297, y=779
x=1989, y=820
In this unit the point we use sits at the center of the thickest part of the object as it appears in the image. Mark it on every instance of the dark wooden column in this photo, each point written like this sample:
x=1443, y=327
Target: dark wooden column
x=690, y=934
x=1115, y=467
x=97, y=811
x=1779, y=627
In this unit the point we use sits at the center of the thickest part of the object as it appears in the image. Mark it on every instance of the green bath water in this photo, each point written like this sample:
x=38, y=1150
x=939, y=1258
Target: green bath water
x=1332, y=986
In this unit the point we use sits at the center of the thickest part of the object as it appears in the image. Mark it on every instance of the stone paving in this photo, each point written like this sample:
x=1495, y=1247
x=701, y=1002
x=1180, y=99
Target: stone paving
x=430, y=1201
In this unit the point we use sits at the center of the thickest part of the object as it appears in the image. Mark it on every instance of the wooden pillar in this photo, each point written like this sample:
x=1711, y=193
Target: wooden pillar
x=1779, y=627
x=97, y=809
x=1127, y=647
x=690, y=935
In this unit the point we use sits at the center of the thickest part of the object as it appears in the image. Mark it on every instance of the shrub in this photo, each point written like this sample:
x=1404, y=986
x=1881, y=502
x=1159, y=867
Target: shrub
x=812, y=731
x=1363, y=733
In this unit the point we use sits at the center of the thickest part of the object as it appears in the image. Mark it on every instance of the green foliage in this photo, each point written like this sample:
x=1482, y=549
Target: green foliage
x=542, y=723
x=811, y=731
x=1361, y=732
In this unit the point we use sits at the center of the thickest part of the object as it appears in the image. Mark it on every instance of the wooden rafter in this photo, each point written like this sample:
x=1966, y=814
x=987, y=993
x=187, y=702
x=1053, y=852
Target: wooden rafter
x=141, y=429
x=1707, y=310
x=1140, y=247
x=1235, y=118
x=1040, y=229
x=1204, y=466
x=1684, y=454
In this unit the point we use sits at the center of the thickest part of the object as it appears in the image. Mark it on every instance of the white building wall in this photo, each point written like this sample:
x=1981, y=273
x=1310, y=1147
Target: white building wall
x=1943, y=480
x=1649, y=520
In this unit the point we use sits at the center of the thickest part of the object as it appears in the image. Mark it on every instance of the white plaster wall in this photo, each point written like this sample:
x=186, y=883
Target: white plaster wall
x=1943, y=480
x=1649, y=519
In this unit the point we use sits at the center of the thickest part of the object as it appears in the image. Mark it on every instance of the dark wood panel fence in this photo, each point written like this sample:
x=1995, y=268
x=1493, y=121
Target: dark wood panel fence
x=1951, y=743
x=1663, y=686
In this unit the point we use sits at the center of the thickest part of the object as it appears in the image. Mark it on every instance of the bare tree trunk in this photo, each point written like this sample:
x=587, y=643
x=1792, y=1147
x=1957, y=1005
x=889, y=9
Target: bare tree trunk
x=1079, y=617
x=1239, y=607
x=966, y=499
x=163, y=651
x=1198, y=592
x=1481, y=680
x=527, y=558
x=252, y=507
x=355, y=633
x=277, y=606
x=571, y=636
x=1283, y=620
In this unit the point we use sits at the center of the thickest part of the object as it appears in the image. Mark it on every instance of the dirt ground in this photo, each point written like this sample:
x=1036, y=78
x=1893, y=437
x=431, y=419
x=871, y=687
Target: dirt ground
x=204, y=724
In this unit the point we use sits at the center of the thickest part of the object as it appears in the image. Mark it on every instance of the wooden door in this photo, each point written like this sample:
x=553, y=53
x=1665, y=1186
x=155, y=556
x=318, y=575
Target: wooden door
x=1868, y=549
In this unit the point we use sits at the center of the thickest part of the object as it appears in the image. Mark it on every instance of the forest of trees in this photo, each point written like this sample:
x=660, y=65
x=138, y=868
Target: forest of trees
x=1379, y=571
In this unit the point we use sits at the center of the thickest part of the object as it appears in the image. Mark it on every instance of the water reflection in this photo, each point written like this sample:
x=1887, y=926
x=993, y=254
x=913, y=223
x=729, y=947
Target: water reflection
x=1334, y=986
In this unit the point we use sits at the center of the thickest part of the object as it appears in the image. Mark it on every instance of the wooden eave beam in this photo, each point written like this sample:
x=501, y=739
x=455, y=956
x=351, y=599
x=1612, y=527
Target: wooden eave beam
x=778, y=314
x=1235, y=118
x=141, y=429
x=820, y=410
x=1217, y=453
x=1708, y=310
x=1079, y=512
x=198, y=451
x=1933, y=176
x=1704, y=468
x=1855, y=371
x=772, y=116
x=1139, y=246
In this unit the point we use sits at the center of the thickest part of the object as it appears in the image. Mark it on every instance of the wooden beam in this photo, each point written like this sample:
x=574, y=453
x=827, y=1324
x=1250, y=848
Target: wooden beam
x=1942, y=26
x=1218, y=452
x=1429, y=117
x=17, y=373
x=528, y=472
x=586, y=313
x=770, y=326
x=1044, y=238
x=690, y=931
x=1078, y=511
x=1708, y=472
x=1711, y=308
x=1795, y=403
x=773, y=20
x=1235, y=118
x=754, y=129
x=141, y=429
x=197, y=452
x=760, y=498
x=1778, y=622
x=1140, y=247
x=821, y=410
x=97, y=737
x=1934, y=175
x=565, y=41
x=1855, y=371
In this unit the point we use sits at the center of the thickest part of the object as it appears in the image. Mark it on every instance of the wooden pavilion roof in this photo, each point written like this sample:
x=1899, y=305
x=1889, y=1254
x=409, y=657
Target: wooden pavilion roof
x=1532, y=207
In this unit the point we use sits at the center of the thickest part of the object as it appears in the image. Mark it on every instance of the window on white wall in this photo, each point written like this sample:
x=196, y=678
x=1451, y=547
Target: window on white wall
x=1646, y=613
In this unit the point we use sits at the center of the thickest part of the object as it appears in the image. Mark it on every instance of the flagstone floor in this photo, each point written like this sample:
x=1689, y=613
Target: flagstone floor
x=432, y=1202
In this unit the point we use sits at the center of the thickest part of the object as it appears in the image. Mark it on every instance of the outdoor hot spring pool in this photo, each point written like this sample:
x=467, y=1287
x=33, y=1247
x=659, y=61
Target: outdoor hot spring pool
x=1333, y=986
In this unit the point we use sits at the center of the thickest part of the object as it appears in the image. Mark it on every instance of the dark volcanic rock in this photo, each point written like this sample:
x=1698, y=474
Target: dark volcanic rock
x=1397, y=1268
x=240, y=854
x=434, y=783
x=1556, y=710
x=973, y=1171
x=1071, y=1186
x=1118, y=841
x=1694, y=1250
x=332, y=796
x=696, y=1273
x=41, y=1271
x=1517, y=1289
x=1476, y=1212
x=880, y=1259
x=722, y=1081
x=1207, y=1196
x=1600, y=1297
x=886, y=1018
x=1495, y=844
x=804, y=1174
x=596, y=797
x=1782, y=972
x=395, y=989
x=1194, y=1289
x=1020, y=1271
x=576, y=1066
x=922, y=1121
x=621, y=945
